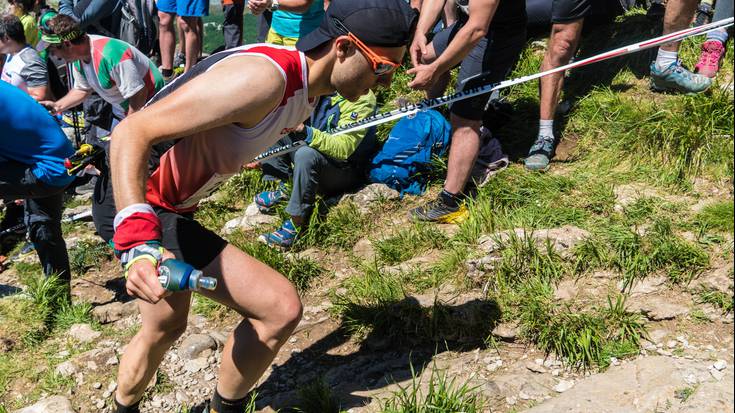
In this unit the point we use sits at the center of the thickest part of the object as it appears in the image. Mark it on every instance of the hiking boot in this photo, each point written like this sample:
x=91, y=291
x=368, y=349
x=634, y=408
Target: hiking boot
x=676, y=78
x=283, y=237
x=267, y=200
x=709, y=61
x=540, y=154
x=703, y=15
x=438, y=211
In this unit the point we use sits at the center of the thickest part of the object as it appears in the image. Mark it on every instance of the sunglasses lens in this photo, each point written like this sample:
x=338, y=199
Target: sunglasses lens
x=383, y=69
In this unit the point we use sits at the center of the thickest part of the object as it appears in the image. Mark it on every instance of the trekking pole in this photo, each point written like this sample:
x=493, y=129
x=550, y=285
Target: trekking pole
x=427, y=104
x=279, y=150
x=74, y=114
x=12, y=229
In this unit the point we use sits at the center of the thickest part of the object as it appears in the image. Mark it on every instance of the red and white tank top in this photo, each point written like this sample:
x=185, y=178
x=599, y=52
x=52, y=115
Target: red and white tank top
x=191, y=169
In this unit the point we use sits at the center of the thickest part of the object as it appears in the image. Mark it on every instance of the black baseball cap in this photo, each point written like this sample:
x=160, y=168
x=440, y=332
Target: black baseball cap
x=382, y=23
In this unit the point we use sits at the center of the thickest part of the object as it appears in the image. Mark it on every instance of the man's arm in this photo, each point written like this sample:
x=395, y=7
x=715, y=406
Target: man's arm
x=71, y=99
x=430, y=10
x=297, y=6
x=205, y=102
x=138, y=100
x=96, y=11
x=481, y=14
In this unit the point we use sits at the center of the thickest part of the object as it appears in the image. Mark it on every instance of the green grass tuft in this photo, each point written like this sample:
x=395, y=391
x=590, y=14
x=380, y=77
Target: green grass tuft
x=88, y=254
x=408, y=243
x=317, y=397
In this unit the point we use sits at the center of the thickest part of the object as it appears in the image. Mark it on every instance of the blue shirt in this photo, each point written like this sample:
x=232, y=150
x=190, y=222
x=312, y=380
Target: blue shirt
x=29, y=135
x=298, y=25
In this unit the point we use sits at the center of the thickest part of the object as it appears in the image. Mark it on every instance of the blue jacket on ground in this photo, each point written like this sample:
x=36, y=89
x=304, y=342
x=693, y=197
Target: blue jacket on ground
x=29, y=135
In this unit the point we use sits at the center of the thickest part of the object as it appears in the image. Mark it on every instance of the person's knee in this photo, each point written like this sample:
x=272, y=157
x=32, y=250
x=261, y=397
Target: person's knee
x=287, y=315
x=164, y=333
x=306, y=157
x=165, y=20
x=44, y=232
x=563, y=45
x=188, y=24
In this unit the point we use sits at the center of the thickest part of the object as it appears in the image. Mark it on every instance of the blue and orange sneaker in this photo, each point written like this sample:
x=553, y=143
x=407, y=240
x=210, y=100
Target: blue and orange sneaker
x=267, y=200
x=283, y=237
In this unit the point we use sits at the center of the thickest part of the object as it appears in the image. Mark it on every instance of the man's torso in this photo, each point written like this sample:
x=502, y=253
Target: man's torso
x=25, y=69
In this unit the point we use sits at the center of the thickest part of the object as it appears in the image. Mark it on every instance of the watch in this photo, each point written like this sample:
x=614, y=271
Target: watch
x=274, y=5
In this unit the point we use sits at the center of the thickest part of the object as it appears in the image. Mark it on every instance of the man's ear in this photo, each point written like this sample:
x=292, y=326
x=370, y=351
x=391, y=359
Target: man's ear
x=344, y=46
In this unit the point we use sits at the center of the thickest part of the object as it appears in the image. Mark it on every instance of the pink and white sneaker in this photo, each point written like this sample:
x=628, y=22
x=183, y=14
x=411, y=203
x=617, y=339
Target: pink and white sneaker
x=709, y=61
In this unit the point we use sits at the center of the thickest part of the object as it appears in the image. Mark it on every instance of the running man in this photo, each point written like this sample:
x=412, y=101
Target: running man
x=197, y=132
x=487, y=40
x=119, y=73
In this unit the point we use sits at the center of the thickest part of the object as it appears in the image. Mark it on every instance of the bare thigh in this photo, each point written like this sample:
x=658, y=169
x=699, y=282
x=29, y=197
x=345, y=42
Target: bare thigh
x=247, y=285
x=169, y=314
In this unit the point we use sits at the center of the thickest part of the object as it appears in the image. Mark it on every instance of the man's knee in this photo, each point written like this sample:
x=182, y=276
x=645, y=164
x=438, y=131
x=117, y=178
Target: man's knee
x=287, y=315
x=189, y=24
x=165, y=20
x=44, y=231
x=306, y=157
x=565, y=38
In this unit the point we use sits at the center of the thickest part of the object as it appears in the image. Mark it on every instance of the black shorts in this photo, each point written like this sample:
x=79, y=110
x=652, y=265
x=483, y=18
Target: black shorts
x=565, y=11
x=492, y=58
x=188, y=240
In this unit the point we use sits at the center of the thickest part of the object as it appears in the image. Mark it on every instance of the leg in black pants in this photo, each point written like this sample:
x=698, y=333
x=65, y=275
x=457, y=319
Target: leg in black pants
x=232, y=24
x=44, y=204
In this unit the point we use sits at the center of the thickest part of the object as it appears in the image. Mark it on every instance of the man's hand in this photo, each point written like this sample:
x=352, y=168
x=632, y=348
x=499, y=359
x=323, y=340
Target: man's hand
x=143, y=280
x=50, y=105
x=426, y=76
x=417, y=51
x=258, y=6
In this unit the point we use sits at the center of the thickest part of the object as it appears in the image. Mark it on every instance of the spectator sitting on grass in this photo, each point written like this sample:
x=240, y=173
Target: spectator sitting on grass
x=329, y=165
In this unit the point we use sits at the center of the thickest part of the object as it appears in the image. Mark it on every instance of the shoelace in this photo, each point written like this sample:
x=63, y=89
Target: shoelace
x=544, y=143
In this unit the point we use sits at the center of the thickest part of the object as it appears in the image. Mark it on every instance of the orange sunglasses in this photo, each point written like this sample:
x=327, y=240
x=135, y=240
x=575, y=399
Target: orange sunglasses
x=381, y=65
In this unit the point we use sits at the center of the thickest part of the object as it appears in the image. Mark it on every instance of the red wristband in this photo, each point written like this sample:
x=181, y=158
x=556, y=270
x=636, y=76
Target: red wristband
x=135, y=225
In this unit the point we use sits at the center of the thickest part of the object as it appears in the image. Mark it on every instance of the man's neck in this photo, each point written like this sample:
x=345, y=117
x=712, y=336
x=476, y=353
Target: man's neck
x=15, y=48
x=87, y=51
x=319, y=72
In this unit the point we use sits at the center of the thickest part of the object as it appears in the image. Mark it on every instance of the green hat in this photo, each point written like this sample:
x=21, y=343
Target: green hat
x=48, y=39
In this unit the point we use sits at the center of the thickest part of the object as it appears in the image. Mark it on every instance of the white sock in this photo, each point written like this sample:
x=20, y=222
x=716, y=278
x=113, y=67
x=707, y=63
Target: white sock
x=546, y=128
x=665, y=58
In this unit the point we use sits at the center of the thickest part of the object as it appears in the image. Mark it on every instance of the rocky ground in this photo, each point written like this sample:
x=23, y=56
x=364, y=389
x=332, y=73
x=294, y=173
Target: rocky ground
x=683, y=366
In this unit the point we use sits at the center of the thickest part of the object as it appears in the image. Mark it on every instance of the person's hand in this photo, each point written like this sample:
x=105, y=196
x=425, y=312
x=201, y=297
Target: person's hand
x=425, y=76
x=143, y=281
x=417, y=50
x=257, y=7
x=252, y=165
x=50, y=105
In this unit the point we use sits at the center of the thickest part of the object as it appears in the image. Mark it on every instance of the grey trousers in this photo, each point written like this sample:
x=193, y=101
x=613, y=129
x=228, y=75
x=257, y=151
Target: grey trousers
x=313, y=173
x=232, y=24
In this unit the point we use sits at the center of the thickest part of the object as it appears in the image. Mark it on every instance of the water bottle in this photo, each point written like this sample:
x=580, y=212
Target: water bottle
x=175, y=275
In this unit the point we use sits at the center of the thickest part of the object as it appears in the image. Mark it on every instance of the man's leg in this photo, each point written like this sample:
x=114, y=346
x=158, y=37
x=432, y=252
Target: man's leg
x=271, y=310
x=563, y=43
x=667, y=73
x=463, y=153
x=232, y=25
x=190, y=25
x=162, y=324
x=43, y=219
x=167, y=42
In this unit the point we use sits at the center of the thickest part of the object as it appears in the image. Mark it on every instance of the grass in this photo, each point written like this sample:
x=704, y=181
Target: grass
x=317, y=397
x=718, y=299
x=209, y=308
x=88, y=254
x=408, y=243
x=300, y=271
x=440, y=394
x=718, y=216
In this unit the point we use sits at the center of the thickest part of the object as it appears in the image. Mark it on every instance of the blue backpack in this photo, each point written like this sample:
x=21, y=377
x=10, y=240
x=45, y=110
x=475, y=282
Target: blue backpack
x=405, y=158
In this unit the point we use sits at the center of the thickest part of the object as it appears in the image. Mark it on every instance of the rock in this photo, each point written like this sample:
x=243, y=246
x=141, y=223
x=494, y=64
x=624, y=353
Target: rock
x=195, y=344
x=219, y=337
x=717, y=279
x=642, y=385
x=195, y=365
x=658, y=335
x=657, y=308
x=70, y=212
x=364, y=249
x=672, y=344
x=629, y=193
x=53, y=404
x=251, y=219
x=83, y=333
x=562, y=239
x=566, y=290
x=536, y=368
x=109, y=313
x=449, y=230
x=90, y=291
x=563, y=386
x=720, y=365
x=371, y=194
x=421, y=263
x=716, y=374
x=506, y=331
x=97, y=385
x=66, y=369
x=647, y=285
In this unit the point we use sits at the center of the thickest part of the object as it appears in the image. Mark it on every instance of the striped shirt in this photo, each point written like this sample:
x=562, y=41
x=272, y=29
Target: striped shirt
x=116, y=71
